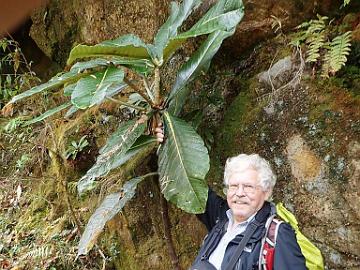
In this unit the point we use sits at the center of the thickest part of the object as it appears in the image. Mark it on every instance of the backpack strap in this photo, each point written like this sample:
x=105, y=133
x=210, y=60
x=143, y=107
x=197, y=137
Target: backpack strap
x=268, y=243
x=210, y=246
x=273, y=231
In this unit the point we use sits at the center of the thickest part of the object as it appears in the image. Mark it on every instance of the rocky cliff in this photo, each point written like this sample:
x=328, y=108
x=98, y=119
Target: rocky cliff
x=258, y=97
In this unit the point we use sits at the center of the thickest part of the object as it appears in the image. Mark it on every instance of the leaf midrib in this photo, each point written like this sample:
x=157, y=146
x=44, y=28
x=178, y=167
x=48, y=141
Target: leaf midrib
x=177, y=147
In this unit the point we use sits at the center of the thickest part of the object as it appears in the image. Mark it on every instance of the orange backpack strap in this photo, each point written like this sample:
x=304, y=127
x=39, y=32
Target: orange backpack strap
x=268, y=244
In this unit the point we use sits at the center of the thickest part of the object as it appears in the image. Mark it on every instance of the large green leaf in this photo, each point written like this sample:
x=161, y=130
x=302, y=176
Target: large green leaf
x=139, y=65
x=128, y=47
x=168, y=30
x=111, y=91
x=144, y=144
x=94, y=88
x=111, y=205
x=142, y=66
x=73, y=109
x=199, y=62
x=69, y=89
x=48, y=114
x=53, y=83
x=183, y=165
x=221, y=7
x=68, y=78
x=225, y=22
x=225, y=15
x=112, y=154
x=82, y=66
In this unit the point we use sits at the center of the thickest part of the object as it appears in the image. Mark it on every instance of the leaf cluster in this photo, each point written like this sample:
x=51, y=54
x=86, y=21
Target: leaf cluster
x=331, y=54
x=76, y=147
x=128, y=62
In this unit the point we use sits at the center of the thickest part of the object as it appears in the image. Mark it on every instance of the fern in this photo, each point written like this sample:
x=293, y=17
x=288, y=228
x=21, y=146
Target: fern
x=39, y=253
x=315, y=35
x=336, y=56
x=316, y=26
x=309, y=31
x=316, y=42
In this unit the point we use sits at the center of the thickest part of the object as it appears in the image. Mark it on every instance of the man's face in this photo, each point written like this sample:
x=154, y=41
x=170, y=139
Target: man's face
x=245, y=196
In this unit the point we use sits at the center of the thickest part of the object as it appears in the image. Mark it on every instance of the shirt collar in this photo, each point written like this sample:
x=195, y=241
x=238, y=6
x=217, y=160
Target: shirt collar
x=230, y=216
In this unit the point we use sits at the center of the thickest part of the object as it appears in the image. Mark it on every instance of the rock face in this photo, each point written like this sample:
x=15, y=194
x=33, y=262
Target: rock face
x=309, y=130
x=261, y=17
x=62, y=24
x=334, y=223
x=59, y=26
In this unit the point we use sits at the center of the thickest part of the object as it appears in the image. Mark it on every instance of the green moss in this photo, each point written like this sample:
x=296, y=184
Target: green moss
x=318, y=111
x=237, y=121
x=124, y=260
x=237, y=118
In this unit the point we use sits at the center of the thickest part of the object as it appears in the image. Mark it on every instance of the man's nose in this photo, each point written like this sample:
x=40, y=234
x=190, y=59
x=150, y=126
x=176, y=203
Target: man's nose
x=240, y=191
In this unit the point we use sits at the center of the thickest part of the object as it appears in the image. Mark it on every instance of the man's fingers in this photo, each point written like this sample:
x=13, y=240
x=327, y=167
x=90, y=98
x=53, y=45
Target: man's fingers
x=159, y=130
x=159, y=133
x=160, y=137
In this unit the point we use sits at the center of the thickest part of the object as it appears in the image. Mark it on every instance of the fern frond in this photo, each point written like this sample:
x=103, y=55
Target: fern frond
x=316, y=42
x=61, y=220
x=310, y=30
x=339, y=50
x=72, y=187
x=304, y=25
x=316, y=26
x=39, y=253
x=298, y=38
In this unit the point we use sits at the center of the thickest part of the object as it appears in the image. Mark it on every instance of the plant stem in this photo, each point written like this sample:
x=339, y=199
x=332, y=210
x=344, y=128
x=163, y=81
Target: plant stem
x=148, y=89
x=126, y=104
x=22, y=55
x=138, y=90
x=167, y=233
x=157, y=86
x=150, y=174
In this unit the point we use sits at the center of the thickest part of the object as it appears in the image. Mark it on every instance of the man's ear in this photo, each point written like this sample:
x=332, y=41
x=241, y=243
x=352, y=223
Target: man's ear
x=268, y=194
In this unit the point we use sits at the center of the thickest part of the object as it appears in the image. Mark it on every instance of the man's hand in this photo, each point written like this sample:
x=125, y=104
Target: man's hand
x=159, y=133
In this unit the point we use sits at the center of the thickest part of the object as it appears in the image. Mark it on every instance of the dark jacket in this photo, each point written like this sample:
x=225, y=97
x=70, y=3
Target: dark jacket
x=287, y=251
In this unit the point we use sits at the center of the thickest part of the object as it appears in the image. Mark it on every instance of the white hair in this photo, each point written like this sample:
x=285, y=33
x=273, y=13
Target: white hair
x=243, y=162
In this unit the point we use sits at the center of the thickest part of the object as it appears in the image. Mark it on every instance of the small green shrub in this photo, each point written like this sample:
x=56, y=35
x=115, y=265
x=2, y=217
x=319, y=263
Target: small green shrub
x=21, y=163
x=13, y=124
x=76, y=147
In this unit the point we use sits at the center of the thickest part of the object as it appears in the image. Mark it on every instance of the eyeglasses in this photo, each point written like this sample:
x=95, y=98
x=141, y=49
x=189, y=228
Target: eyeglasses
x=246, y=188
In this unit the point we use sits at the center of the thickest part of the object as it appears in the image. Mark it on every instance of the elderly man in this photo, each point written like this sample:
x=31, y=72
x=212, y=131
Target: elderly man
x=239, y=226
